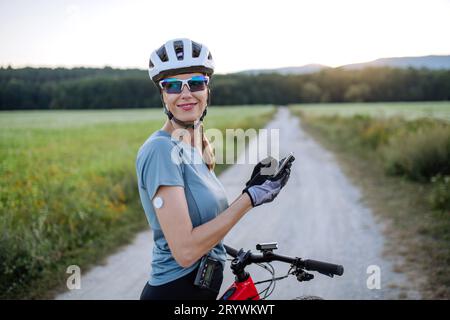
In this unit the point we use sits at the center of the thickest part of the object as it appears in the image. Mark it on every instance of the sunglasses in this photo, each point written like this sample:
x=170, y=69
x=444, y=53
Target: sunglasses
x=174, y=85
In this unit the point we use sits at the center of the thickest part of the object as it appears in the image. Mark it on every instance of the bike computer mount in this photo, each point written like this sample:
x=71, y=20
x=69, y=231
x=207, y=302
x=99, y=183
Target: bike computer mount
x=267, y=246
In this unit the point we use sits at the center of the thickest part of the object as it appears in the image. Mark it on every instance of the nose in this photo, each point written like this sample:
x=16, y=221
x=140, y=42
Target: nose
x=185, y=90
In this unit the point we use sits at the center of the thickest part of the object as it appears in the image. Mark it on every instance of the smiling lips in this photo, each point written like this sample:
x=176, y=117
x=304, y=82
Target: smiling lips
x=187, y=106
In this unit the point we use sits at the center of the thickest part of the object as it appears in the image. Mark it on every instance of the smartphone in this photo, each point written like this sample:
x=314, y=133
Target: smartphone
x=288, y=159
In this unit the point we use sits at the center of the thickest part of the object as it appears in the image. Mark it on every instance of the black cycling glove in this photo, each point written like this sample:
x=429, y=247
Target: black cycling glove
x=269, y=190
x=264, y=170
x=263, y=187
x=269, y=165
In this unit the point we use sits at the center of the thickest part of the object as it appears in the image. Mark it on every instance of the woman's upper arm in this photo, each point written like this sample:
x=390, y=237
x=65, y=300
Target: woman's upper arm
x=175, y=222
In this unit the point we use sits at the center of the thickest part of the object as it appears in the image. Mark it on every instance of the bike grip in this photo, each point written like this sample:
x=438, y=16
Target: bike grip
x=324, y=267
x=231, y=251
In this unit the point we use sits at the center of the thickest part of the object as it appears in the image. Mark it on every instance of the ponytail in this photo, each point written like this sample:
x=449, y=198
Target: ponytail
x=208, y=153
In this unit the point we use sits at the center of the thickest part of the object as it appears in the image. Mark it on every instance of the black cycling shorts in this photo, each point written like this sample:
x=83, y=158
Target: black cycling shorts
x=182, y=289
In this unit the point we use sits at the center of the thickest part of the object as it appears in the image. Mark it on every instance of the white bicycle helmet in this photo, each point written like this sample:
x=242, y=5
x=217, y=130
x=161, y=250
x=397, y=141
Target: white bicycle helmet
x=179, y=56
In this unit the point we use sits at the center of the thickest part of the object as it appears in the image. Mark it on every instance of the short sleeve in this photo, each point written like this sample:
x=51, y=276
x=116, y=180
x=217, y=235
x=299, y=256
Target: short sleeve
x=159, y=164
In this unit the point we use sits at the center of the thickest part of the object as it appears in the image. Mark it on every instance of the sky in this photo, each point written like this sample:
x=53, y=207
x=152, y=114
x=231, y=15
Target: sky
x=241, y=34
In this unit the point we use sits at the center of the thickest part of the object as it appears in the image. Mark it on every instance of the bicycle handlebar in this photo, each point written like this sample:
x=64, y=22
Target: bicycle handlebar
x=312, y=265
x=231, y=251
x=323, y=267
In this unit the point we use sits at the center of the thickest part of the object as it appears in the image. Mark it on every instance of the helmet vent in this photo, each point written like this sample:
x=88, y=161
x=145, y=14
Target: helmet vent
x=209, y=56
x=162, y=54
x=196, y=48
x=178, y=46
x=150, y=64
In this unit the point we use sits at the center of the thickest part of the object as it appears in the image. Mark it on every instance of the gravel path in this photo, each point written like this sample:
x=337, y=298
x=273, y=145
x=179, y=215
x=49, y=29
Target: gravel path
x=318, y=215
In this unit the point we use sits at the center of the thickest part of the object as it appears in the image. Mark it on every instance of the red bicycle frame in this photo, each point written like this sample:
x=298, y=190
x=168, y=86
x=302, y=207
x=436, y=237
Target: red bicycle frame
x=245, y=290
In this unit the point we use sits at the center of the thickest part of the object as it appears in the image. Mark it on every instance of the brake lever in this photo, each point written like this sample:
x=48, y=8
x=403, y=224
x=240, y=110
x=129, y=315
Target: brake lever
x=302, y=275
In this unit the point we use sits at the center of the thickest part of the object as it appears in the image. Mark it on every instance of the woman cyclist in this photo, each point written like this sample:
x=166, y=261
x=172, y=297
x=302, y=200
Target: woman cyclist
x=184, y=202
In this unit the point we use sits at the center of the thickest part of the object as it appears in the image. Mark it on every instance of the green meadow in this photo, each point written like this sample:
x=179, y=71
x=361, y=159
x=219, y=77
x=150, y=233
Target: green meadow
x=68, y=188
x=406, y=110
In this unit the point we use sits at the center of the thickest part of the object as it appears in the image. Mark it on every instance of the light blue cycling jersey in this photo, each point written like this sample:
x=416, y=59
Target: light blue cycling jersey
x=162, y=160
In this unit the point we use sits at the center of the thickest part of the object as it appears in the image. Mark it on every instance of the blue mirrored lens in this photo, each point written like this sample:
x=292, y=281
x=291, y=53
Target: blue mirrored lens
x=197, y=85
x=172, y=85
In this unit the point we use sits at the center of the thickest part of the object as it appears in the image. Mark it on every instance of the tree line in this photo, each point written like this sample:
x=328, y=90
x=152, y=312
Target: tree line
x=105, y=88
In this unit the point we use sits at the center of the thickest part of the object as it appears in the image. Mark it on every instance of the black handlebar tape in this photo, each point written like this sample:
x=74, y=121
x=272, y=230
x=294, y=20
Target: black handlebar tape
x=231, y=251
x=324, y=267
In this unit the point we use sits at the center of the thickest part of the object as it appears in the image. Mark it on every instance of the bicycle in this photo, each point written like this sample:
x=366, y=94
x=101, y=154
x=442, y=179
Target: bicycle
x=244, y=288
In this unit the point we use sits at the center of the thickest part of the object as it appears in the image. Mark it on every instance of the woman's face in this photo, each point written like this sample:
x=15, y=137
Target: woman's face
x=186, y=105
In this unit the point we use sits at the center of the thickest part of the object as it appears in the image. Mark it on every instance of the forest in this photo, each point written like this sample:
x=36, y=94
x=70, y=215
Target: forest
x=109, y=88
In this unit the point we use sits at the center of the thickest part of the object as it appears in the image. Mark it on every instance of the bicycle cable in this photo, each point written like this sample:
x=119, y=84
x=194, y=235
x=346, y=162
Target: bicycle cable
x=273, y=283
x=272, y=280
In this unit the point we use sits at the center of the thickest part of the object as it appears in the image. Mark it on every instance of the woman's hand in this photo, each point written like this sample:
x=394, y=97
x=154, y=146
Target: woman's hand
x=269, y=189
x=262, y=171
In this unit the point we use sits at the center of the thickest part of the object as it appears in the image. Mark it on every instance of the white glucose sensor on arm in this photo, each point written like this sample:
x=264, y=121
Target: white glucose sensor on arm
x=158, y=202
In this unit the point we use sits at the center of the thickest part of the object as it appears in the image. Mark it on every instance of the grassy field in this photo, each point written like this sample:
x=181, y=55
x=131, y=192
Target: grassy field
x=401, y=160
x=68, y=191
x=406, y=110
